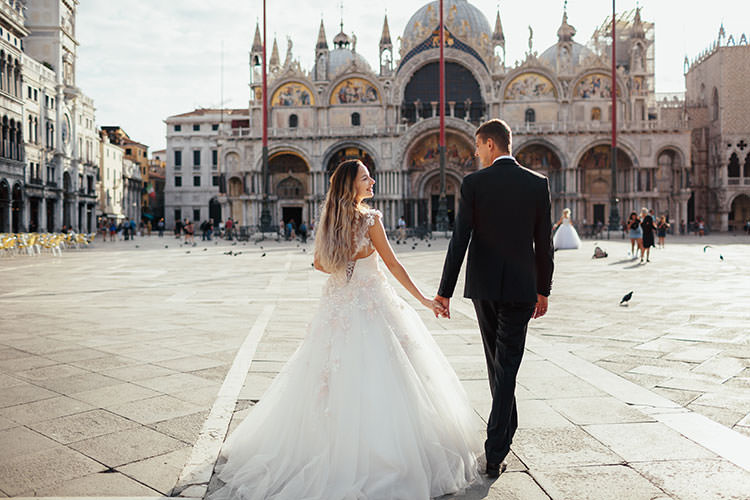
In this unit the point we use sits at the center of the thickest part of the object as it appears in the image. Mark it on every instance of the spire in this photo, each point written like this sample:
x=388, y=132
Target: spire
x=257, y=43
x=322, y=43
x=385, y=37
x=342, y=40
x=638, y=29
x=498, y=35
x=274, y=62
x=722, y=33
x=566, y=32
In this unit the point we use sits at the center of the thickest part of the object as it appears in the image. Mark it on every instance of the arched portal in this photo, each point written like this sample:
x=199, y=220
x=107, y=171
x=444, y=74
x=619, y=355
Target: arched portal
x=462, y=93
x=542, y=159
x=4, y=207
x=351, y=153
x=214, y=211
x=16, y=208
x=290, y=182
x=432, y=197
x=739, y=215
x=235, y=191
x=595, y=181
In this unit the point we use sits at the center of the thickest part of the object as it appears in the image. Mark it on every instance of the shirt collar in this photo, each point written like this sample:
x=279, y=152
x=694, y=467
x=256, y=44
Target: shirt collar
x=503, y=157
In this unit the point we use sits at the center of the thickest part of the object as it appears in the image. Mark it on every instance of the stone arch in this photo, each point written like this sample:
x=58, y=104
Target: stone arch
x=421, y=128
x=739, y=210
x=733, y=167
x=342, y=78
x=406, y=72
x=290, y=188
x=622, y=92
x=622, y=145
x=232, y=160
x=421, y=184
x=422, y=154
x=16, y=207
x=542, y=157
x=331, y=153
x=290, y=92
x=512, y=77
x=235, y=187
x=5, y=200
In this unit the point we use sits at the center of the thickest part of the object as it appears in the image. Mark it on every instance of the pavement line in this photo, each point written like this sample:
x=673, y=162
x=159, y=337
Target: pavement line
x=196, y=474
x=725, y=442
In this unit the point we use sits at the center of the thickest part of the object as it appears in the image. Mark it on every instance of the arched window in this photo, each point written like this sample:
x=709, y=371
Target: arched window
x=290, y=188
x=747, y=166
x=715, y=104
x=356, y=121
x=596, y=114
x=734, y=166
x=293, y=121
x=530, y=116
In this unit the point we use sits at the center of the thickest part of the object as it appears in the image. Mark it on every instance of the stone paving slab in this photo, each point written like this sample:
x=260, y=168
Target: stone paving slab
x=151, y=332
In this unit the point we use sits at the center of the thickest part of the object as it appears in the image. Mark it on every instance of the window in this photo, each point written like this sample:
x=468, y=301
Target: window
x=356, y=121
x=596, y=114
x=178, y=158
x=214, y=180
x=128, y=151
x=178, y=128
x=28, y=91
x=196, y=214
x=196, y=157
x=214, y=157
x=177, y=214
x=733, y=170
x=715, y=102
x=196, y=126
x=36, y=95
x=530, y=116
x=293, y=121
x=177, y=181
x=196, y=180
x=215, y=126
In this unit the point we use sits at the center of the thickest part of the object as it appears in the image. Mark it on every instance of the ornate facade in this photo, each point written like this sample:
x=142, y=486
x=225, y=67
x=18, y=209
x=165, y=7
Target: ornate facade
x=557, y=102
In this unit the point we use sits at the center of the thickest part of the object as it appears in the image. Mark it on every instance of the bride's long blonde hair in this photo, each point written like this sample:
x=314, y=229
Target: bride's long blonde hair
x=335, y=236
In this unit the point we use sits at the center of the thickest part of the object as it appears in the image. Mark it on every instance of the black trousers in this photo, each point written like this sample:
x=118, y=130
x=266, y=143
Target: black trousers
x=503, y=327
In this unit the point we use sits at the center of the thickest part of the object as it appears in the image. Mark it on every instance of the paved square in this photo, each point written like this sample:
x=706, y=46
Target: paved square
x=122, y=366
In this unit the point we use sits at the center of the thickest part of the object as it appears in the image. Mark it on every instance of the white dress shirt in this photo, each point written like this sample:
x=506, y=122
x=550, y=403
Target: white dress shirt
x=503, y=157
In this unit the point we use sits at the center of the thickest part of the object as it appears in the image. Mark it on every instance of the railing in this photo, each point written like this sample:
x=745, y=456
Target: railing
x=362, y=130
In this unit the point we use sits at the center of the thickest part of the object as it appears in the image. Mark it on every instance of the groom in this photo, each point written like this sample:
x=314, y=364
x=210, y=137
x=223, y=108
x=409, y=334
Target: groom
x=504, y=218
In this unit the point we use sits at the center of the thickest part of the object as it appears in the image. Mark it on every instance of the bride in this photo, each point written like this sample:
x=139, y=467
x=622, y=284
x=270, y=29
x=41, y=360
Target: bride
x=566, y=236
x=367, y=407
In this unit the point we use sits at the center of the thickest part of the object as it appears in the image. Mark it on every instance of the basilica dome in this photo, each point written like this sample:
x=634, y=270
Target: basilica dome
x=340, y=58
x=578, y=54
x=427, y=17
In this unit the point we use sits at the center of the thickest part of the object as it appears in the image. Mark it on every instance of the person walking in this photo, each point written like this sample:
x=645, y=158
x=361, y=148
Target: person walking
x=648, y=224
x=132, y=229
x=303, y=232
x=401, y=229
x=228, y=227
x=210, y=229
x=160, y=227
x=566, y=237
x=661, y=230
x=508, y=270
x=635, y=233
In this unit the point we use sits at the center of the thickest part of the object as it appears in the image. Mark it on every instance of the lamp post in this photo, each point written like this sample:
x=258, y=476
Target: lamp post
x=265, y=214
x=614, y=214
x=442, y=213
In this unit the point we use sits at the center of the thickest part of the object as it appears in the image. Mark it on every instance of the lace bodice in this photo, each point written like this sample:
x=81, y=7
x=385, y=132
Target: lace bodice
x=365, y=221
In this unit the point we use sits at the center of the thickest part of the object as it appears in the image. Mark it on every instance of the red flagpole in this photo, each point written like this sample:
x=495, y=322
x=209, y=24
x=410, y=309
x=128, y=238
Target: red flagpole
x=265, y=214
x=442, y=212
x=265, y=88
x=614, y=215
x=442, y=79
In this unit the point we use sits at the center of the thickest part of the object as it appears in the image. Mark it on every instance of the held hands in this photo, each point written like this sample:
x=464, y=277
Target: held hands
x=437, y=308
x=445, y=305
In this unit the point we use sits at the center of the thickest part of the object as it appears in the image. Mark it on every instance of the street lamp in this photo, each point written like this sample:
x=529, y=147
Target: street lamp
x=442, y=213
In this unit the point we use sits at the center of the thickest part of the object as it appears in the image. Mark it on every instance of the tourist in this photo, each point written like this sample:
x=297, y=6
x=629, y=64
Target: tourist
x=635, y=234
x=647, y=227
x=661, y=230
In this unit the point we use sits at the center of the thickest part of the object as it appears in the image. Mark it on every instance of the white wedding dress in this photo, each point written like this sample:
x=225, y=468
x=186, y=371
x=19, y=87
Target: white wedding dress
x=367, y=407
x=566, y=237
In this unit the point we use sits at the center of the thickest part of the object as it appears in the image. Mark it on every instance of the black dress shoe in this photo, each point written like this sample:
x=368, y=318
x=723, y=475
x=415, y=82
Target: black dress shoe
x=494, y=470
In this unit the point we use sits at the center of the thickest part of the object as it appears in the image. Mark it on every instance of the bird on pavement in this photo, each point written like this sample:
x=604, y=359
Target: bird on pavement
x=626, y=298
x=264, y=254
x=705, y=247
x=721, y=257
x=188, y=251
x=166, y=246
x=228, y=253
x=205, y=249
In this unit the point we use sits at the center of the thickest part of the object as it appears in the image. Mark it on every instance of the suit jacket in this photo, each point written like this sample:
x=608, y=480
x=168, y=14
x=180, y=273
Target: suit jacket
x=504, y=218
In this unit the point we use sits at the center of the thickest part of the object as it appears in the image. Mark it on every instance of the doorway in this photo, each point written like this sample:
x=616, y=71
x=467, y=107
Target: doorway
x=599, y=213
x=292, y=213
x=450, y=202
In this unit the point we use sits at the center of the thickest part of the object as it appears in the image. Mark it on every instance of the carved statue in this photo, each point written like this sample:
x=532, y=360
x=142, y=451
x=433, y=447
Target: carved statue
x=531, y=38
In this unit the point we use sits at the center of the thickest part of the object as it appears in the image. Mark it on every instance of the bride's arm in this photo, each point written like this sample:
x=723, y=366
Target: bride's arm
x=384, y=249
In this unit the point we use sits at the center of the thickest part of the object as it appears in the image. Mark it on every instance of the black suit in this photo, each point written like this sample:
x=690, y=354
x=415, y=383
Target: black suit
x=504, y=219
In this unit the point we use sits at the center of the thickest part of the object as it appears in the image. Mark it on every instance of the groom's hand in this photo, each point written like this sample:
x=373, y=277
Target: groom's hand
x=446, y=303
x=541, y=306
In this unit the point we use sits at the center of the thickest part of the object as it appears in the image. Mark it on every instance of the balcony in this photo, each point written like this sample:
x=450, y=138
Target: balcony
x=36, y=181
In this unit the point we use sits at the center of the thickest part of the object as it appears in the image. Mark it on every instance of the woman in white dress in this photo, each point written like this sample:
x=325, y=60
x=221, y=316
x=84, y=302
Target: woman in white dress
x=566, y=237
x=367, y=407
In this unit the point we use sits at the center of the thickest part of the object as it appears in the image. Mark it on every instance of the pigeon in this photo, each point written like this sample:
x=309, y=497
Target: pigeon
x=705, y=247
x=261, y=247
x=205, y=249
x=166, y=246
x=264, y=254
x=398, y=242
x=721, y=257
x=312, y=264
x=137, y=246
x=233, y=244
x=237, y=253
x=429, y=245
x=228, y=253
x=304, y=250
x=188, y=251
x=626, y=298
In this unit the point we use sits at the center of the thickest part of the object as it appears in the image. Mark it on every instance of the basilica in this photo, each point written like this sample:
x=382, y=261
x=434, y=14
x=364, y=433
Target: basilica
x=557, y=101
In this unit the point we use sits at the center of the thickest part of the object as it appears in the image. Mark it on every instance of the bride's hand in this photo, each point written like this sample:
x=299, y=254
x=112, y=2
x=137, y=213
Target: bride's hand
x=437, y=308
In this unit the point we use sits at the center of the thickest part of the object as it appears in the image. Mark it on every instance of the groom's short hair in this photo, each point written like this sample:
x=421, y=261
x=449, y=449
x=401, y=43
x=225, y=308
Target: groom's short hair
x=498, y=131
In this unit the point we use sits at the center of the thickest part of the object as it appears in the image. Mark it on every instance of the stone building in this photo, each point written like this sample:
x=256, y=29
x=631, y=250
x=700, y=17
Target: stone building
x=12, y=31
x=717, y=101
x=191, y=189
x=112, y=181
x=60, y=187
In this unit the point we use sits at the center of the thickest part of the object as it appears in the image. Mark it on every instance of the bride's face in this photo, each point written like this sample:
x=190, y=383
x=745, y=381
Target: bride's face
x=363, y=184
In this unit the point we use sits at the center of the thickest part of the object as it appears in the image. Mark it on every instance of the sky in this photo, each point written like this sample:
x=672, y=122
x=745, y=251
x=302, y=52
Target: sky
x=144, y=60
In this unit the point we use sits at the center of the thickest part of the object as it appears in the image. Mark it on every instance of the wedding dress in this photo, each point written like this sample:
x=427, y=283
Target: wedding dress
x=366, y=408
x=566, y=237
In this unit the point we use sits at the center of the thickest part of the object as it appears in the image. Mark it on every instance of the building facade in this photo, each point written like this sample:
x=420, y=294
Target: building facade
x=12, y=155
x=60, y=189
x=112, y=182
x=193, y=173
x=717, y=103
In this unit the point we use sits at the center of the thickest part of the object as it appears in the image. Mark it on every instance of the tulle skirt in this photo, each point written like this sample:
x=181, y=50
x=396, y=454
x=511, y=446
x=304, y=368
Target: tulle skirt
x=367, y=408
x=566, y=238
